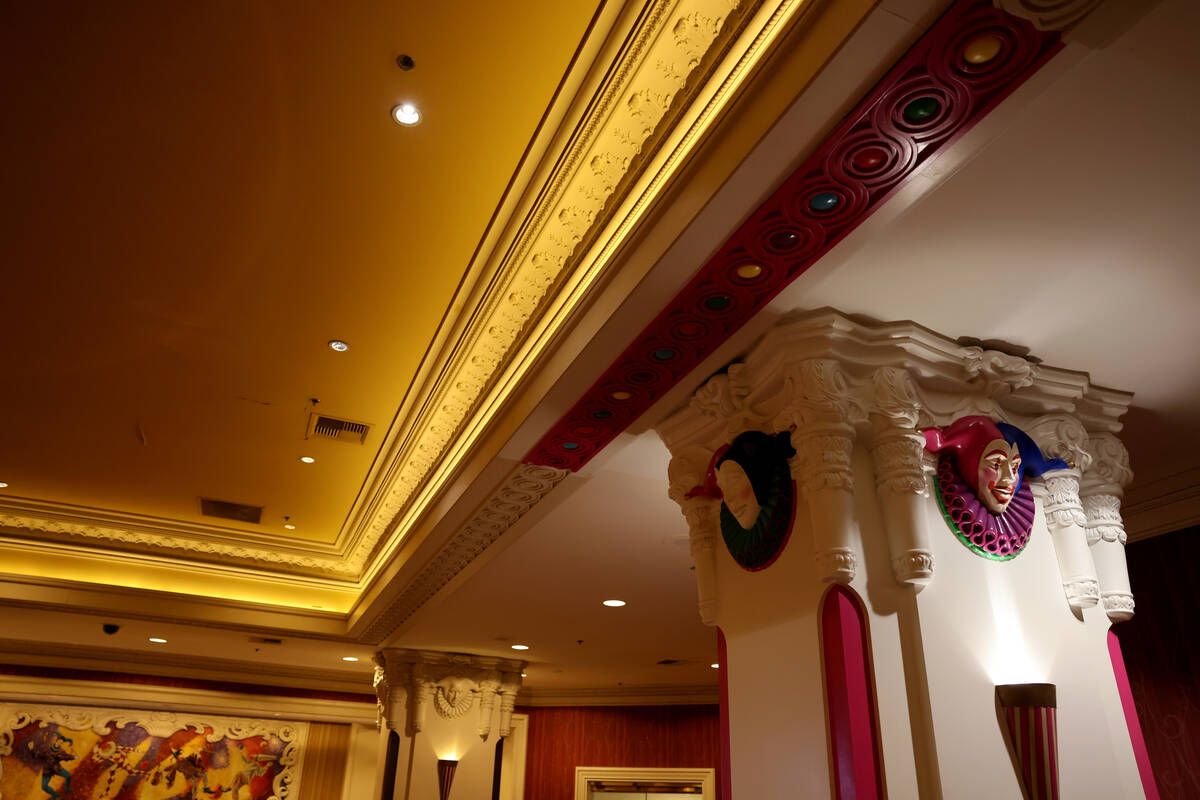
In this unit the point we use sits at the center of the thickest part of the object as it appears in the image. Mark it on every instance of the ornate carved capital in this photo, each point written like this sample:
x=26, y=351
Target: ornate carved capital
x=1062, y=436
x=822, y=459
x=450, y=682
x=819, y=395
x=900, y=462
x=723, y=396
x=1103, y=512
x=1109, y=471
x=894, y=399
x=1061, y=500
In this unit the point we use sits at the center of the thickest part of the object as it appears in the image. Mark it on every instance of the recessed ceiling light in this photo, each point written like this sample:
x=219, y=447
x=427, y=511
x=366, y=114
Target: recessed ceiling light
x=307, y=459
x=349, y=658
x=614, y=603
x=406, y=114
x=715, y=666
x=523, y=675
x=3, y=485
x=158, y=640
x=289, y=526
x=337, y=345
x=520, y=647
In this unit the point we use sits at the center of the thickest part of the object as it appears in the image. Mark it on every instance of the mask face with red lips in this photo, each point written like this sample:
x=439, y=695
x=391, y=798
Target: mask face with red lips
x=985, y=459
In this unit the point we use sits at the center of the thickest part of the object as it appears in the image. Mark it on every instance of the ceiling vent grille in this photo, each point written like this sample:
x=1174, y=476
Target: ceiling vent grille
x=233, y=511
x=337, y=430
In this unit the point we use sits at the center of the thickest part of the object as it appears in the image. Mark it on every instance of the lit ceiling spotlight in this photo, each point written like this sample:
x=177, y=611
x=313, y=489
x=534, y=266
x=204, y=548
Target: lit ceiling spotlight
x=406, y=114
x=158, y=640
x=307, y=459
x=715, y=666
x=349, y=658
x=524, y=675
x=289, y=526
x=520, y=647
x=614, y=603
x=3, y=485
x=338, y=346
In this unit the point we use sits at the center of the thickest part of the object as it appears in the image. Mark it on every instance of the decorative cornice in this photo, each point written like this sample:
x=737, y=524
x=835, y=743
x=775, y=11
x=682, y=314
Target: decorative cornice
x=408, y=682
x=522, y=490
x=853, y=171
x=675, y=69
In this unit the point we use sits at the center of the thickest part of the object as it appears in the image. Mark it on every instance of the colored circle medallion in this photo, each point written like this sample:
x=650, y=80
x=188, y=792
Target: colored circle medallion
x=982, y=49
x=570, y=445
x=603, y=413
x=718, y=302
x=922, y=109
x=664, y=354
x=621, y=396
x=784, y=240
x=869, y=158
x=749, y=272
x=824, y=201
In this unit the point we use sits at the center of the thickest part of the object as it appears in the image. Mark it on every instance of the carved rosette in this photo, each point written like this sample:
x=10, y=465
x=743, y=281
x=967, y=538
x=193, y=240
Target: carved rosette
x=1062, y=436
x=1102, y=488
x=821, y=412
x=449, y=682
x=686, y=472
x=898, y=450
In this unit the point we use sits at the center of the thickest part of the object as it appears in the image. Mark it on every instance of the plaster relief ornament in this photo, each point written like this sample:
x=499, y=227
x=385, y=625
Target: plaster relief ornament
x=981, y=491
x=758, y=496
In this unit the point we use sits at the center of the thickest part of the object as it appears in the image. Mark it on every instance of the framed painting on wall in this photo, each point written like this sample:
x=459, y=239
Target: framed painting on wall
x=78, y=753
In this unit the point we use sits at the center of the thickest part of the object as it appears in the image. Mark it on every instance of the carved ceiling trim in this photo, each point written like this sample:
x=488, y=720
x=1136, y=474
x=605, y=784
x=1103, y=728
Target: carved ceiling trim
x=670, y=57
x=969, y=61
x=604, y=168
x=522, y=490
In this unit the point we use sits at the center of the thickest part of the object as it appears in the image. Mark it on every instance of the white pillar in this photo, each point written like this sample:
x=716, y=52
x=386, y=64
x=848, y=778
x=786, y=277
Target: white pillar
x=1102, y=488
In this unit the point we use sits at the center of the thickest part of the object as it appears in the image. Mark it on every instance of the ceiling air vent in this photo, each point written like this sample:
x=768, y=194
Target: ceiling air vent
x=265, y=640
x=234, y=511
x=339, y=430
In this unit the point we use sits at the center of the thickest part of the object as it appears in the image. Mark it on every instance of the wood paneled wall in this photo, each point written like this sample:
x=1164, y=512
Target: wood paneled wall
x=324, y=768
x=1162, y=656
x=561, y=739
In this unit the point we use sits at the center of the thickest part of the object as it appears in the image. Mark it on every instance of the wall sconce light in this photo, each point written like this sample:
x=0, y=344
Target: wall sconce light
x=1028, y=716
x=446, y=767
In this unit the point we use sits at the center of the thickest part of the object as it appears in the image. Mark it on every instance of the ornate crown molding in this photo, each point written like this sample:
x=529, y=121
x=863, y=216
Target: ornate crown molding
x=524, y=487
x=659, y=74
x=854, y=170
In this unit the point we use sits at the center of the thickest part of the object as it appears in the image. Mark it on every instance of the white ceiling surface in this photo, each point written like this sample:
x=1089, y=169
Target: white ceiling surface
x=1072, y=233
x=614, y=535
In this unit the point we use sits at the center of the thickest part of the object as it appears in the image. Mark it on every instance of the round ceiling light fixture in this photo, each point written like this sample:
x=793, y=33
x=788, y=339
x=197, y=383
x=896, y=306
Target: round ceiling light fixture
x=715, y=666
x=614, y=603
x=349, y=658
x=338, y=346
x=287, y=526
x=520, y=647
x=3, y=485
x=307, y=459
x=158, y=640
x=406, y=114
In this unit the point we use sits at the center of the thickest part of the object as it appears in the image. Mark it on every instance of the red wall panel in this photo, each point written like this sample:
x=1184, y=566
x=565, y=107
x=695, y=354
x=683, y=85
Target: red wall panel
x=1162, y=656
x=561, y=739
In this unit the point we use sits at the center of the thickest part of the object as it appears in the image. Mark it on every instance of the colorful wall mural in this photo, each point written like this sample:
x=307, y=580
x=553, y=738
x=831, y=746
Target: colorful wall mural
x=72, y=753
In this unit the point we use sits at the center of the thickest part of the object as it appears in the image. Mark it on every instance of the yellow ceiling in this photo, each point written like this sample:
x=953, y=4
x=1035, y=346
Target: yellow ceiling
x=205, y=194
x=205, y=199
